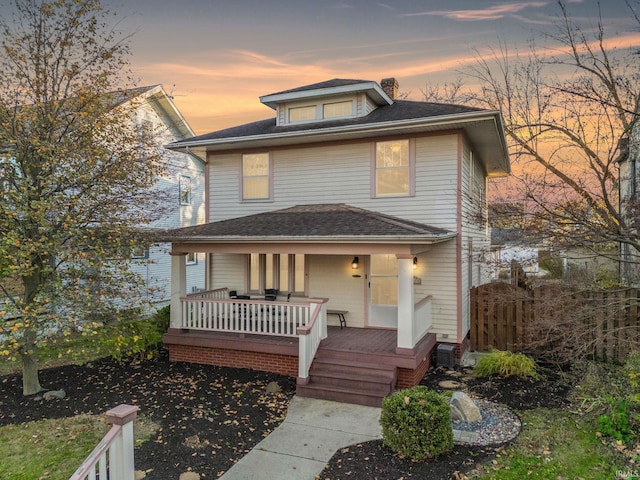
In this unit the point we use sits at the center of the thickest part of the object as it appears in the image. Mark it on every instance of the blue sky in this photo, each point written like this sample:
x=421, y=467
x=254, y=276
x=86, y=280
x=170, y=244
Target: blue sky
x=218, y=56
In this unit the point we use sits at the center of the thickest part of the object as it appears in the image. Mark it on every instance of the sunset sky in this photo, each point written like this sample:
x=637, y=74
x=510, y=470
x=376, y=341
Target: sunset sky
x=218, y=56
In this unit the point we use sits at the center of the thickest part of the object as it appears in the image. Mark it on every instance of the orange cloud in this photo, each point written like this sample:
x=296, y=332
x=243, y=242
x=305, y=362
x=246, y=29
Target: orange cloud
x=492, y=13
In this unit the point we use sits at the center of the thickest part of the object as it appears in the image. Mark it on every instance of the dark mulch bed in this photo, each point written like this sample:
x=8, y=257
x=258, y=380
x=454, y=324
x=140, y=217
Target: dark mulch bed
x=211, y=416
x=372, y=460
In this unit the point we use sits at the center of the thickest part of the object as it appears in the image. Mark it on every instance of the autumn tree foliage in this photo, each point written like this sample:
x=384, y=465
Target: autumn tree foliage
x=570, y=105
x=570, y=108
x=75, y=174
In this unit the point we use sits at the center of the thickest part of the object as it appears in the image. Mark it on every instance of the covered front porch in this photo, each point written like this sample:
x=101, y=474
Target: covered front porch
x=369, y=272
x=350, y=364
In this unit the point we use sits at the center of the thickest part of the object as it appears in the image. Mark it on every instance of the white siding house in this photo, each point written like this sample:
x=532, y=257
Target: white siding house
x=182, y=191
x=349, y=198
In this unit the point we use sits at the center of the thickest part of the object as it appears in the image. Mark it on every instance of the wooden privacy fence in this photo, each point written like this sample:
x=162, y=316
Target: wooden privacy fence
x=556, y=319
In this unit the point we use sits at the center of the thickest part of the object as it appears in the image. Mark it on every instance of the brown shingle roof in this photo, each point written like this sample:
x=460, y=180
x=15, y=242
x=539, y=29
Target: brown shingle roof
x=312, y=222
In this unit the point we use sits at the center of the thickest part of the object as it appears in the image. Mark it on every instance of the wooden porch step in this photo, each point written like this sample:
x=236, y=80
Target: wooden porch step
x=349, y=381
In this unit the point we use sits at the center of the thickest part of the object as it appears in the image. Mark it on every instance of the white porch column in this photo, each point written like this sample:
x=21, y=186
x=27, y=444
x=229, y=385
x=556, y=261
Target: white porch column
x=178, y=286
x=406, y=311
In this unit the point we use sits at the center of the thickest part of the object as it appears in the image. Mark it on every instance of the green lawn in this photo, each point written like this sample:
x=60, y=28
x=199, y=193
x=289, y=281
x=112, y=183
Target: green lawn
x=556, y=445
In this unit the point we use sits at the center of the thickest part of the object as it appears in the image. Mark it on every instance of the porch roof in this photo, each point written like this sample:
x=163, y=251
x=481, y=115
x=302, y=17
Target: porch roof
x=326, y=223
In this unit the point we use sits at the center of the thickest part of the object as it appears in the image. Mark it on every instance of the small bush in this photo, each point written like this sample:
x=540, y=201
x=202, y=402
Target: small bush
x=617, y=422
x=506, y=364
x=139, y=337
x=416, y=423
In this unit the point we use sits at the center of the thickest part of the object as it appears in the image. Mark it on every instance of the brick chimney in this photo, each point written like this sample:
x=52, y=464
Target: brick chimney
x=390, y=87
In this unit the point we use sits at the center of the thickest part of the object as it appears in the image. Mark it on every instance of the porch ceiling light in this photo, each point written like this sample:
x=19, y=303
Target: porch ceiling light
x=354, y=263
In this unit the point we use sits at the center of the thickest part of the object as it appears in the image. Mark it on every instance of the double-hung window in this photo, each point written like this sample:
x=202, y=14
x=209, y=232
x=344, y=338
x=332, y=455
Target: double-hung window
x=185, y=190
x=393, y=168
x=256, y=176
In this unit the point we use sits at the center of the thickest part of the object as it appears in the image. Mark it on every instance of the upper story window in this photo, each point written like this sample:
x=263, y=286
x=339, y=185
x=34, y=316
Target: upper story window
x=337, y=109
x=392, y=168
x=185, y=190
x=255, y=176
x=301, y=114
x=320, y=111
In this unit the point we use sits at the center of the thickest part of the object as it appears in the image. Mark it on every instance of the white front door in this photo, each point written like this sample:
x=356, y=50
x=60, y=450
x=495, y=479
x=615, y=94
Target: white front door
x=383, y=291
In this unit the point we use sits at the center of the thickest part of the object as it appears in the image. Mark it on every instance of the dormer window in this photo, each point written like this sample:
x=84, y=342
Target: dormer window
x=337, y=109
x=321, y=111
x=302, y=114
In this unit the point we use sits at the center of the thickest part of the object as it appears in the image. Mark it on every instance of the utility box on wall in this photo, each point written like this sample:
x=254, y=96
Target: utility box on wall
x=446, y=356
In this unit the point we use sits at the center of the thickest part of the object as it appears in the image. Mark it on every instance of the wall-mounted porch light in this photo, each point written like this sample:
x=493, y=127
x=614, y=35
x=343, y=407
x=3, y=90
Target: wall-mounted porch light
x=415, y=262
x=354, y=263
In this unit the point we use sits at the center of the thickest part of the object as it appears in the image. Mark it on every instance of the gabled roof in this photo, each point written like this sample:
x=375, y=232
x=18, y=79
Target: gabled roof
x=339, y=223
x=163, y=103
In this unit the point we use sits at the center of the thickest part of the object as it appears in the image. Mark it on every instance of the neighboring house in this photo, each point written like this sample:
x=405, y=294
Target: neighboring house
x=350, y=201
x=509, y=245
x=181, y=191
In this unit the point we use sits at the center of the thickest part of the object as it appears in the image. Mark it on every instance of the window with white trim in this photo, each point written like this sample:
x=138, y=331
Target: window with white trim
x=185, y=190
x=256, y=176
x=337, y=109
x=192, y=258
x=392, y=168
x=302, y=114
x=283, y=272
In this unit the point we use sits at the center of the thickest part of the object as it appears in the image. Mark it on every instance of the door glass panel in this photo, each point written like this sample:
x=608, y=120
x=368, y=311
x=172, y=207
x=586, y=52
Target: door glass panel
x=384, y=280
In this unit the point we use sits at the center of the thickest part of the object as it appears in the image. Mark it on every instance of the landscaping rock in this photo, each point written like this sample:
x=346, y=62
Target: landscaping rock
x=139, y=475
x=464, y=409
x=449, y=384
x=274, y=387
x=54, y=394
x=189, y=476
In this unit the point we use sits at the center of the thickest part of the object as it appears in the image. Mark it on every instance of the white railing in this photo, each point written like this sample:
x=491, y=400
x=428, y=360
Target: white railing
x=422, y=317
x=112, y=459
x=309, y=338
x=260, y=317
x=216, y=293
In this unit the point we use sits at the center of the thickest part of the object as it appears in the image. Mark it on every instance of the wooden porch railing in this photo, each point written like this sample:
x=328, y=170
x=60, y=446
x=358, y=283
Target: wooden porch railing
x=218, y=293
x=309, y=338
x=423, y=318
x=112, y=459
x=260, y=317
x=306, y=320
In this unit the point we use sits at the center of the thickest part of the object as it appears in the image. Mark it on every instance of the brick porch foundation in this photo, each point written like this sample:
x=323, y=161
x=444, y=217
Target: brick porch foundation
x=264, y=362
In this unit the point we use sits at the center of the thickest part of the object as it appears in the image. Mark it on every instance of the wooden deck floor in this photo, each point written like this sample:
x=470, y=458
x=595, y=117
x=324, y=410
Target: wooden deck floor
x=360, y=340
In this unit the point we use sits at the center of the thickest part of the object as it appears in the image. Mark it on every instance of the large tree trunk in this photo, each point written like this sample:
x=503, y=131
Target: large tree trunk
x=30, y=378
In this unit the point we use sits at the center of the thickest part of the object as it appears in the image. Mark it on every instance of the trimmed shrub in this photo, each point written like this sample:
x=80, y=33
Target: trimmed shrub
x=416, y=423
x=506, y=364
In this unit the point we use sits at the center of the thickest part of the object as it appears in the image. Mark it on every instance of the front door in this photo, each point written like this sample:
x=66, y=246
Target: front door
x=383, y=291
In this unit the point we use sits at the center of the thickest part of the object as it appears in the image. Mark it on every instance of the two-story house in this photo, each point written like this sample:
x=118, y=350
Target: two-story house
x=357, y=210
x=180, y=191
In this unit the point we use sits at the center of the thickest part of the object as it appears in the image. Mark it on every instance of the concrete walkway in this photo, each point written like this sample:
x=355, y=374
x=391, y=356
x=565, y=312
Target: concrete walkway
x=305, y=441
